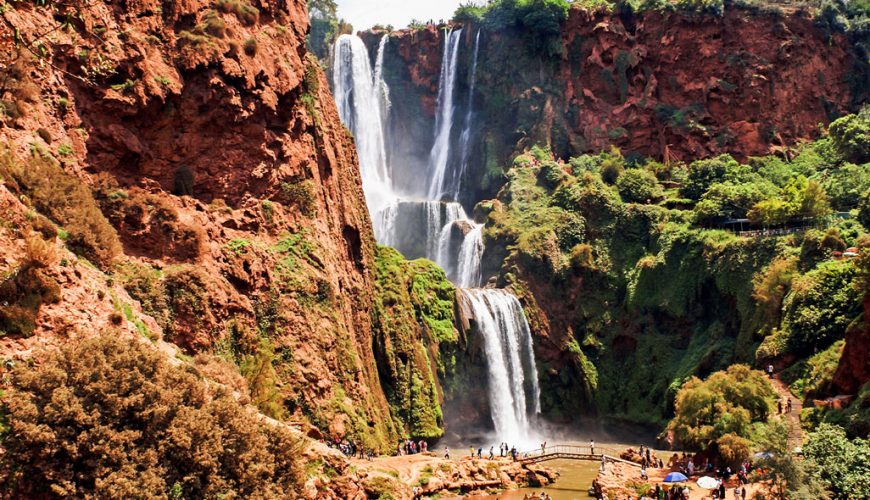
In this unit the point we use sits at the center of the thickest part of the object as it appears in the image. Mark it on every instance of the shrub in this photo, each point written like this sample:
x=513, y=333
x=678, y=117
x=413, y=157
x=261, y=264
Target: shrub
x=66, y=200
x=551, y=174
x=704, y=173
x=245, y=12
x=639, y=186
x=24, y=291
x=850, y=136
x=145, y=285
x=251, y=47
x=820, y=306
x=109, y=417
x=301, y=193
x=843, y=464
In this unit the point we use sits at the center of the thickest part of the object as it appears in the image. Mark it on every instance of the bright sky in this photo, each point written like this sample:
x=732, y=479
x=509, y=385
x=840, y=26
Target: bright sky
x=364, y=14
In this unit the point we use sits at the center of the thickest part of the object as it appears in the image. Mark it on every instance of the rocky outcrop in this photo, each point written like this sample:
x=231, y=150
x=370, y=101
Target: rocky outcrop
x=665, y=85
x=210, y=141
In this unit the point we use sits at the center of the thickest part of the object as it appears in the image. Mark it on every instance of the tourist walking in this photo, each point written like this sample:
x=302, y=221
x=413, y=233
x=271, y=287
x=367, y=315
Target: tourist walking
x=447, y=453
x=491, y=454
x=788, y=406
x=591, y=446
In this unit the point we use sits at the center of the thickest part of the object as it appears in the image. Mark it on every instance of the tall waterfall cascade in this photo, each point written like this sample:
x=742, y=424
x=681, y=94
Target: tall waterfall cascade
x=439, y=157
x=467, y=130
x=438, y=228
x=514, y=392
x=362, y=99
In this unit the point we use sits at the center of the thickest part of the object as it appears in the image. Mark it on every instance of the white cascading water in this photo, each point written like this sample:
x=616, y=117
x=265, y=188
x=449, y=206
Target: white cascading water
x=514, y=393
x=470, y=254
x=465, y=136
x=362, y=98
x=439, y=157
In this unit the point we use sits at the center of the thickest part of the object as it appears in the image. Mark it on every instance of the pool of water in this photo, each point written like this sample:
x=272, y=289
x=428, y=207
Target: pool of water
x=573, y=484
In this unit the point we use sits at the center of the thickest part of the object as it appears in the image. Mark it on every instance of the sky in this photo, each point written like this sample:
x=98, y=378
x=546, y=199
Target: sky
x=364, y=14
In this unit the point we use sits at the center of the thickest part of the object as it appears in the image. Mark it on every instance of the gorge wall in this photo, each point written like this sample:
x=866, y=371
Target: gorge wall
x=227, y=211
x=655, y=84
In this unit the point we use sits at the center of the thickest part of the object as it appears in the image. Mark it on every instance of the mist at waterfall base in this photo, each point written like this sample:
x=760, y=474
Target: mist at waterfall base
x=426, y=219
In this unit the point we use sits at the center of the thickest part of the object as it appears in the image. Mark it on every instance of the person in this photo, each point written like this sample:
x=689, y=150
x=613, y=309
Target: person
x=491, y=454
x=722, y=490
x=603, y=463
x=647, y=455
x=691, y=467
x=514, y=453
x=543, y=447
x=643, y=473
x=779, y=407
x=770, y=370
x=471, y=449
x=737, y=493
x=661, y=464
x=480, y=452
x=447, y=453
x=658, y=491
x=592, y=446
x=788, y=406
x=743, y=493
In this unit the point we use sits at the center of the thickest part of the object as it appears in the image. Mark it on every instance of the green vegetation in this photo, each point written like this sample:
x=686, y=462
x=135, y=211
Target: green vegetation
x=301, y=194
x=717, y=413
x=538, y=22
x=661, y=285
x=415, y=340
x=324, y=26
x=128, y=422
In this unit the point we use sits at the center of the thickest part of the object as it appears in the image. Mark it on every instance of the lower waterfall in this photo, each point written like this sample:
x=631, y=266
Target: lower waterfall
x=514, y=393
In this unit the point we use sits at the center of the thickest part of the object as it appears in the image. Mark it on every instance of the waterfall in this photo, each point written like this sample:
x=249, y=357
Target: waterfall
x=514, y=393
x=436, y=229
x=470, y=253
x=362, y=98
x=465, y=137
x=439, y=156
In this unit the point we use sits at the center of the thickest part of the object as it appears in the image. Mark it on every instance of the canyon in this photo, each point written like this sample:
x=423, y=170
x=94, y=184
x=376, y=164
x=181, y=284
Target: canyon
x=383, y=245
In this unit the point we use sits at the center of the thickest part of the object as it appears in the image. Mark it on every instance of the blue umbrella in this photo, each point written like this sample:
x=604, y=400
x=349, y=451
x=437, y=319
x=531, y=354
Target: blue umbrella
x=675, y=477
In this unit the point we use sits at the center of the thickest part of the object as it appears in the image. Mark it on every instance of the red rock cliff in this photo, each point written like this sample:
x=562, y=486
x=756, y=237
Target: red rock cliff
x=212, y=144
x=653, y=83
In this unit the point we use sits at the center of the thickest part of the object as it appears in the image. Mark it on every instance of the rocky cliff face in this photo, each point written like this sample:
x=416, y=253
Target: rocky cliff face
x=663, y=85
x=210, y=142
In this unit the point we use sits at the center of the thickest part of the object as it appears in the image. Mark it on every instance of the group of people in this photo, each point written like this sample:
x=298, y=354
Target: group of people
x=351, y=449
x=503, y=450
x=409, y=447
x=780, y=405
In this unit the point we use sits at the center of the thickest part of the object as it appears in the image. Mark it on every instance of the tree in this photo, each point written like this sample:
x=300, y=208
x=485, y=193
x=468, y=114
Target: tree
x=788, y=477
x=704, y=173
x=850, y=135
x=324, y=26
x=844, y=465
x=846, y=184
x=820, y=306
x=712, y=414
x=110, y=417
x=639, y=186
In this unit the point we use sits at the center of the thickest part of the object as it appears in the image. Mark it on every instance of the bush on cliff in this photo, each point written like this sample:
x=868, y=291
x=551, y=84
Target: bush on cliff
x=110, y=417
x=64, y=199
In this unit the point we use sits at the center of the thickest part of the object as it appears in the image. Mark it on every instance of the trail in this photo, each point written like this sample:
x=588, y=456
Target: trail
x=793, y=418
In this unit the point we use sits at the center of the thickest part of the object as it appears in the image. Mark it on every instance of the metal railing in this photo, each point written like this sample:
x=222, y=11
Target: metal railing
x=571, y=452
